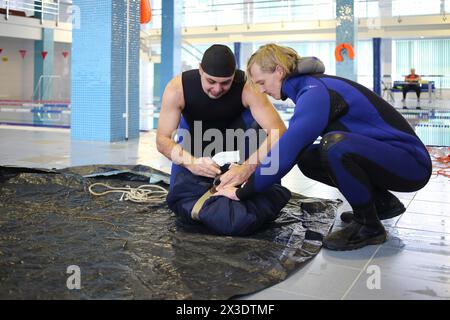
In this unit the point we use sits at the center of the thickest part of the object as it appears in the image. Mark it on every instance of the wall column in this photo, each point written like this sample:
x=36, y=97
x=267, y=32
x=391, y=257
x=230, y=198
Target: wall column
x=43, y=67
x=377, y=65
x=105, y=89
x=346, y=32
x=170, y=41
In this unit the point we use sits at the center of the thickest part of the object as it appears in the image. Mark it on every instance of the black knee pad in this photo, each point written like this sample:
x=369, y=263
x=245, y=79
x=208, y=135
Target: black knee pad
x=330, y=140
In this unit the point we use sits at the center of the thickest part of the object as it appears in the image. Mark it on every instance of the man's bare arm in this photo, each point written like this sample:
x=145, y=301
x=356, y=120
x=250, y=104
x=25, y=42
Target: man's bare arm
x=268, y=118
x=169, y=118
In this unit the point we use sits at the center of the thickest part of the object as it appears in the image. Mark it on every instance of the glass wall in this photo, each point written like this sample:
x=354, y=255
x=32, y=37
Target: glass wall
x=294, y=10
x=223, y=12
x=415, y=7
x=366, y=9
x=430, y=58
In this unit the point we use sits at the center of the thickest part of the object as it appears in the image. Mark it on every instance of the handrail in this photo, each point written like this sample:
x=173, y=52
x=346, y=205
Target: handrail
x=42, y=7
x=192, y=53
x=195, y=49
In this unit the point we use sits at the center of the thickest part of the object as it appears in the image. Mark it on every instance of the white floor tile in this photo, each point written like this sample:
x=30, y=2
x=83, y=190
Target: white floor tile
x=425, y=222
x=429, y=207
x=414, y=262
x=394, y=287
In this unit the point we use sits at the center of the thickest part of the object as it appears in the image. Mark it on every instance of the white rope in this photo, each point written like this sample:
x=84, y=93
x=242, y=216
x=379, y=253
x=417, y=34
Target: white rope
x=143, y=194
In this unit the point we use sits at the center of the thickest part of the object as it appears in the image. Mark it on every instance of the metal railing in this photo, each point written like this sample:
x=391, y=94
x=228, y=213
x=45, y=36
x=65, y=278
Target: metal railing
x=43, y=9
x=192, y=50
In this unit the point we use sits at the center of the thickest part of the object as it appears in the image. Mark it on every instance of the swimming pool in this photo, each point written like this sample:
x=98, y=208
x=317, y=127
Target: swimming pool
x=35, y=113
x=431, y=125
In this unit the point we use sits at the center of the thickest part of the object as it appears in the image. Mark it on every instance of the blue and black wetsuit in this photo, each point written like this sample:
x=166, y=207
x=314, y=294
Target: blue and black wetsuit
x=366, y=144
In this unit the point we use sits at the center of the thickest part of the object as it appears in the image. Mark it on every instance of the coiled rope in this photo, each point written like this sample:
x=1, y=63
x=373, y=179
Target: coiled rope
x=147, y=193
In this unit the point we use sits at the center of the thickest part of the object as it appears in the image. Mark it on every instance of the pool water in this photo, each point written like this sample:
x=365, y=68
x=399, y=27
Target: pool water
x=432, y=126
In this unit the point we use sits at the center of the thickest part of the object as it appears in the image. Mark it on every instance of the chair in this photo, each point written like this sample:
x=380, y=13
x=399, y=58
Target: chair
x=387, y=91
x=425, y=86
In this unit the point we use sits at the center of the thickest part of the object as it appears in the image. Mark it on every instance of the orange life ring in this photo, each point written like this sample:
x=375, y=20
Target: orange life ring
x=340, y=47
x=146, y=11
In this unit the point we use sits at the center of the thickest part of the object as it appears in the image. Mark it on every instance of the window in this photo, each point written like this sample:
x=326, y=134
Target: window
x=430, y=57
x=415, y=7
x=367, y=9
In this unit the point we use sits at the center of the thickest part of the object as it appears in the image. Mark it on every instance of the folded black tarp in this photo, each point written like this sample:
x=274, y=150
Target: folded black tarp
x=124, y=250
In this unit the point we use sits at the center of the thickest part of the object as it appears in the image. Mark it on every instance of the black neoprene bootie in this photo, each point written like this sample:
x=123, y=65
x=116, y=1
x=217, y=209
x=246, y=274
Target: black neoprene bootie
x=355, y=235
x=365, y=229
x=388, y=206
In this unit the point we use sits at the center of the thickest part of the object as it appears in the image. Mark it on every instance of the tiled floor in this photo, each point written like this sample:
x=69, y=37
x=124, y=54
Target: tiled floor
x=413, y=264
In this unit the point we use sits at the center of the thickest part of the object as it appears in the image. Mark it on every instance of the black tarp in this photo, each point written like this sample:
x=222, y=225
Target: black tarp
x=49, y=221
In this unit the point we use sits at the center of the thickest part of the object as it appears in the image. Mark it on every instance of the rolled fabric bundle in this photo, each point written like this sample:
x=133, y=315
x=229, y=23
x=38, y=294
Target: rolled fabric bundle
x=219, y=214
x=310, y=65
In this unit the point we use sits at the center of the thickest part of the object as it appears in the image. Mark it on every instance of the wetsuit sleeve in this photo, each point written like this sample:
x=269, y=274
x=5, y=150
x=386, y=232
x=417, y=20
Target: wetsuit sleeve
x=308, y=122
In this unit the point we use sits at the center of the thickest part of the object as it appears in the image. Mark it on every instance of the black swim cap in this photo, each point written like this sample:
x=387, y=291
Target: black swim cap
x=219, y=61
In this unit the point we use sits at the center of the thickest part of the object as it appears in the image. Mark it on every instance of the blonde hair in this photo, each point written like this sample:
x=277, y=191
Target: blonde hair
x=269, y=56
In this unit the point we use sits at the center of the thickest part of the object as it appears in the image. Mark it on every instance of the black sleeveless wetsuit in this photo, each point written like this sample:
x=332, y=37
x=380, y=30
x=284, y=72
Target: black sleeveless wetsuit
x=199, y=109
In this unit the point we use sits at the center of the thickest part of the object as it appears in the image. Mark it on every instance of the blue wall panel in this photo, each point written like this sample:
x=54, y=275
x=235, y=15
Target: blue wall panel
x=346, y=32
x=98, y=71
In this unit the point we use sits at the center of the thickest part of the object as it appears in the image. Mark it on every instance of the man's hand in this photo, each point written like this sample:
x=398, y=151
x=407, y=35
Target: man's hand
x=229, y=192
x=236, y=175
x=205, y=167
